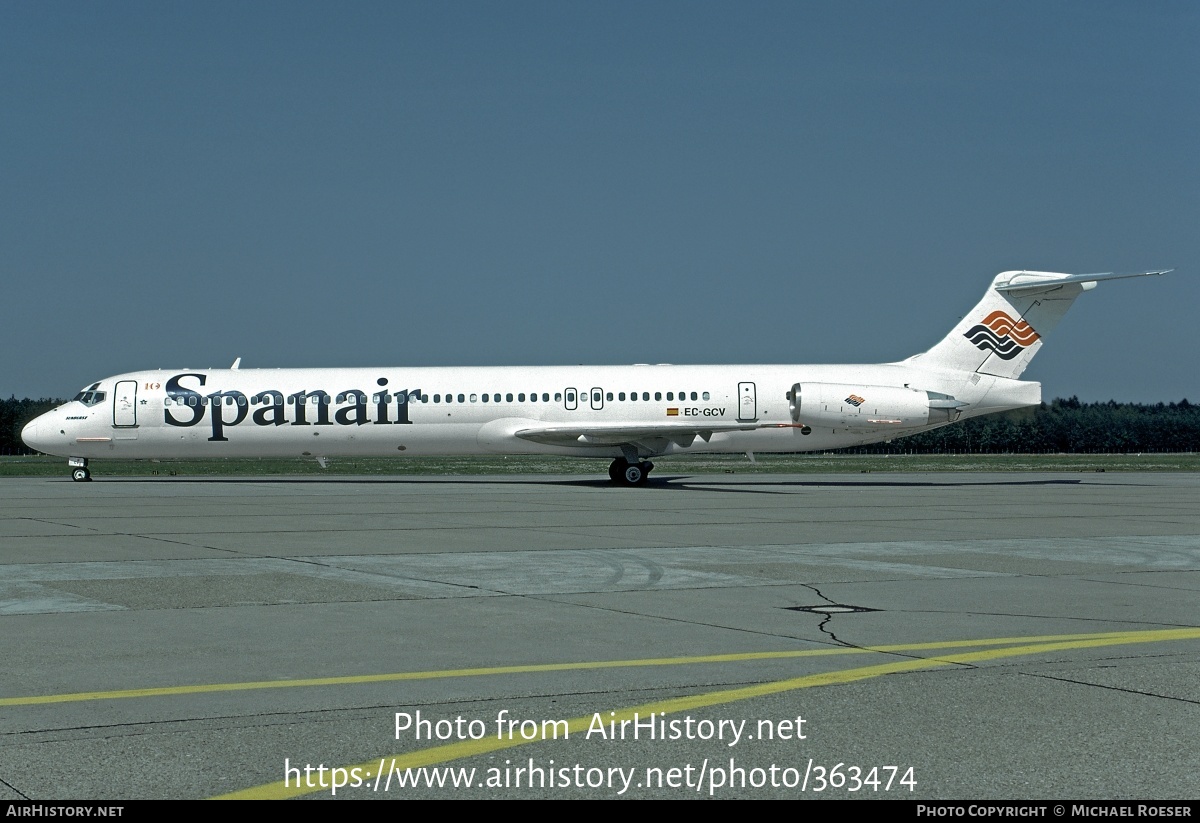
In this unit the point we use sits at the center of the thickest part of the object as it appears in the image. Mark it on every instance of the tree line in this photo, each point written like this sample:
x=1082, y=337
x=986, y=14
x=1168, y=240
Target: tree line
x=1060, y=426
x=14, y=414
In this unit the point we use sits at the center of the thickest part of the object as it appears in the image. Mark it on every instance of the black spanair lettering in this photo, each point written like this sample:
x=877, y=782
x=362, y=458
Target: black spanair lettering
x=382, y=397
x=183, y=397
x=301, y=401
x=403, y=401
x=355, y=415
x=220, y=401
x=271, y=414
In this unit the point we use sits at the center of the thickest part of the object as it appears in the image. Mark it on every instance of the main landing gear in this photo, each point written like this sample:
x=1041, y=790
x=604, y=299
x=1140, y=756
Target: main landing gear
x=625, y=473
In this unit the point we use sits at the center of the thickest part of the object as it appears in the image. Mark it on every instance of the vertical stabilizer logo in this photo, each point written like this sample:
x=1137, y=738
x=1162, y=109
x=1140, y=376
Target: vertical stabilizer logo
x=1001, y=334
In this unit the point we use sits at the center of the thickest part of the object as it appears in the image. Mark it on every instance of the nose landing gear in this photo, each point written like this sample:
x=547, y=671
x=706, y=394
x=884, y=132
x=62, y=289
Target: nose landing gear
x=624, y=473
x=79, y=469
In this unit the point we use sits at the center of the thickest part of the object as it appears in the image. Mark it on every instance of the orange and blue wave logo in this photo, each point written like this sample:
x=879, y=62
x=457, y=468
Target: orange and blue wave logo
x=1002, y=334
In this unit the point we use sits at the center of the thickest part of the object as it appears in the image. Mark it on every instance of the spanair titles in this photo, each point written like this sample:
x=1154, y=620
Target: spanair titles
x=186, y=406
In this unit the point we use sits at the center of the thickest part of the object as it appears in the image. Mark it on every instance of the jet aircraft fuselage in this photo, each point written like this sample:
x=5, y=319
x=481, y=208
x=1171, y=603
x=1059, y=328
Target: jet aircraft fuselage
x=624, y=413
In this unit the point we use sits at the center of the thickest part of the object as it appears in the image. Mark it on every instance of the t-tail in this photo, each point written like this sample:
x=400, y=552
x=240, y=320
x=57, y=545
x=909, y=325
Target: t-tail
x=1002, y=334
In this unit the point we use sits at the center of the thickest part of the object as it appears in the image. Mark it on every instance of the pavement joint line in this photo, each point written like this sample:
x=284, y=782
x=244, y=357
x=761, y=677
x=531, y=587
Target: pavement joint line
x=565, y=599
x=1046, y=642
x=1074, y=682
x=470, y=748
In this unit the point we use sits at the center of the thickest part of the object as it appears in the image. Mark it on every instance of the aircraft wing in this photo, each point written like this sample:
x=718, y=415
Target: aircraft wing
x=599, y=434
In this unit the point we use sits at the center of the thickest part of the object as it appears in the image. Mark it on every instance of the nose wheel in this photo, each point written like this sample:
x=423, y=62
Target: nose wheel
x=81, y=474
x=624, y=473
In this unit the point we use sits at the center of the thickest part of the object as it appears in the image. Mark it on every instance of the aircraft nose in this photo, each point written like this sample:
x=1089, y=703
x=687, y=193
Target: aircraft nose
x=30, y=435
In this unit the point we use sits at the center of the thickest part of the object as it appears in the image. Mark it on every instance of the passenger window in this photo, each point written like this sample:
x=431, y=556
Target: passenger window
x=460, y=398
x=670, y=395
x=658, y=395
x=474, y=398
x=694, y=397
x=621, y=396
x=521, y=397
x=706, y=395
x=496, y=397
x=486, y=397
x=608, y=397
x=508, y=397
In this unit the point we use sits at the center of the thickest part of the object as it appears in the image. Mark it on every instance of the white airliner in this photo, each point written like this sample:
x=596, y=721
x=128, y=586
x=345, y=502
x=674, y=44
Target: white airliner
x=623, y=413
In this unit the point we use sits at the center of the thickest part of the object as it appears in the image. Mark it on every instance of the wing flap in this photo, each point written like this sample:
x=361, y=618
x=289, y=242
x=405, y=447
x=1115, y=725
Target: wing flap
x=615, y=435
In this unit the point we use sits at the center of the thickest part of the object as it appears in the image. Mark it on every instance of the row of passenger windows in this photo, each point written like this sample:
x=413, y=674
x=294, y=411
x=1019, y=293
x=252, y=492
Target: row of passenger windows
x=645, y=396
x=414, y=397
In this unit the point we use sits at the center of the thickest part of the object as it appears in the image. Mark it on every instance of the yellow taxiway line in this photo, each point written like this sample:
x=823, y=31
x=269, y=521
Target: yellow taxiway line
x=470, y=748
x=491, y=671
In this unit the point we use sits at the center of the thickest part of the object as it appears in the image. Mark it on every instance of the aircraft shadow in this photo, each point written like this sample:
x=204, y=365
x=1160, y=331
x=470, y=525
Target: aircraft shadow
x=683, y=482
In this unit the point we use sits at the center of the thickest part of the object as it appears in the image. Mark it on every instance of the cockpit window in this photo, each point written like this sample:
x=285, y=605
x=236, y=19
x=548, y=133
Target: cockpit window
x=90, y=398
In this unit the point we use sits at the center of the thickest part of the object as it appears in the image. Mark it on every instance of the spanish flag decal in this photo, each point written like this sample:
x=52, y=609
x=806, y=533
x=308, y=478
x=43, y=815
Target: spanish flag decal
x=672, y=412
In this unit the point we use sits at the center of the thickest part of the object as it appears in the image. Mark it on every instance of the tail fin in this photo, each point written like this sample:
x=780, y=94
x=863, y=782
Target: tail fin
x=1002, y=334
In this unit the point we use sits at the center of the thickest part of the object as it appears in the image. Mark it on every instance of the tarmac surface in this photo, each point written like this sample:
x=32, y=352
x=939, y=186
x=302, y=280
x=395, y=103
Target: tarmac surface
x=940, y=636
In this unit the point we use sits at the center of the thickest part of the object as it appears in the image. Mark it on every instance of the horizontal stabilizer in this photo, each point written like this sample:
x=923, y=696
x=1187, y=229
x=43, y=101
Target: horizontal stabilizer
x=1006, y=329
x=1028, y=282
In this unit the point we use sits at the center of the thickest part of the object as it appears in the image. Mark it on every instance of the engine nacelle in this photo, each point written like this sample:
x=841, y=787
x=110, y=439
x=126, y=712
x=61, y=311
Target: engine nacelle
x=870, y=408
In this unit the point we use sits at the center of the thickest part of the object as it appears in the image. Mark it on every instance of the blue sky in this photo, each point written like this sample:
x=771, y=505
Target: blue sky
x=423, y=184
